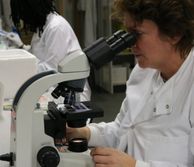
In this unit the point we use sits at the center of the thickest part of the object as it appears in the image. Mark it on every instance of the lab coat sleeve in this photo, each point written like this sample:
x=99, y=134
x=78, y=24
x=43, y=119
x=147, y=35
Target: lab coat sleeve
x=43, y=66
x=58, y=43
x=142, y=164
x=55, y=49
x=105, y=134
x=158, y=164
x=192, y=126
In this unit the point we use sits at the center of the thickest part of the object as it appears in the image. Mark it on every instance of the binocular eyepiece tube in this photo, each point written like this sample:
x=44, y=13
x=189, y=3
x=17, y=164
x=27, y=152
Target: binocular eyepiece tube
x=103, y=50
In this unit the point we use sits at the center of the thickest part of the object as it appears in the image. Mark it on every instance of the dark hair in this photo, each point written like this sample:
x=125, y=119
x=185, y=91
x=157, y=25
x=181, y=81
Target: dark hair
x=173, y=17
x=32, y=12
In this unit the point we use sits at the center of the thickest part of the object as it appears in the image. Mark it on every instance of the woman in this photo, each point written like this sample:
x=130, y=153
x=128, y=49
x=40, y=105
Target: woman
x=155, y=126
x=53, y=37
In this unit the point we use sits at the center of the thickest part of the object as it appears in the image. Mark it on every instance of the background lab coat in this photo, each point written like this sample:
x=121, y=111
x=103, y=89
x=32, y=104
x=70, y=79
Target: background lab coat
x=156, y=121
x=57, y=41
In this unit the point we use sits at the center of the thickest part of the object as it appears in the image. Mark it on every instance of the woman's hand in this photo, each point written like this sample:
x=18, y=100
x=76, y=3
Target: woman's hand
x=109, y=157
x=77, y=133
x=15, y=38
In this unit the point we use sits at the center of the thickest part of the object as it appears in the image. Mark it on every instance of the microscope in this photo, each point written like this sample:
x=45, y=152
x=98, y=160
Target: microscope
x=34, y=133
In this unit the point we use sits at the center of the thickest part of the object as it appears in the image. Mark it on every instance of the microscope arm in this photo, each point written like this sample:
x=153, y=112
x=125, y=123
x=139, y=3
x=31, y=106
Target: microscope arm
x=24, y=142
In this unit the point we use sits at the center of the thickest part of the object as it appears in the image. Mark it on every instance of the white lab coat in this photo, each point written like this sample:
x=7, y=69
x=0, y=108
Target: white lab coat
x=156, y=121
x=57, y=41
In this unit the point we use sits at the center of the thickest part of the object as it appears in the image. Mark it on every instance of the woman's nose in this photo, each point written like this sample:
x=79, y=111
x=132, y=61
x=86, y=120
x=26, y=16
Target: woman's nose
x=134, y=46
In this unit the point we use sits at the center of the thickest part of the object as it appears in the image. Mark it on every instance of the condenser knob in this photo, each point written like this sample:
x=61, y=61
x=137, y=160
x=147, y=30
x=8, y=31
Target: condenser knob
x=48, y=157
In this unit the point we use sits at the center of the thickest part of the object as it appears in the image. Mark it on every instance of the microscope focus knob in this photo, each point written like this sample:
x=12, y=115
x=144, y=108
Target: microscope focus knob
x=48, y=157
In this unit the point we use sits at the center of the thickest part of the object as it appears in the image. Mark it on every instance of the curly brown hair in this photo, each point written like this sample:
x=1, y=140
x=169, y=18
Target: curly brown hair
x=173, y=17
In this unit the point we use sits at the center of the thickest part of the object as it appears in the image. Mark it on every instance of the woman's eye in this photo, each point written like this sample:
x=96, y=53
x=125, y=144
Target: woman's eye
x=139, y=32
x=130, y=30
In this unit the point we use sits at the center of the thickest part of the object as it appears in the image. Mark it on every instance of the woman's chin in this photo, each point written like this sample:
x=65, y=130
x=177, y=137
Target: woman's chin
x=141, y=63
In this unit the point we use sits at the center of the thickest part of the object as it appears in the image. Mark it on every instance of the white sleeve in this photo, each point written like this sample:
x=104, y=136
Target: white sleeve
x=106, y=134
x=59, y=42
x=42, y=67
x=56, y=44
x=142, y=164
x=86, y=94
x=158, y=164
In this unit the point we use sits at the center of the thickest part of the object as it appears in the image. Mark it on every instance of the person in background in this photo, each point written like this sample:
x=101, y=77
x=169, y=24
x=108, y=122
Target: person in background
x=53, y=37
x=155, y=125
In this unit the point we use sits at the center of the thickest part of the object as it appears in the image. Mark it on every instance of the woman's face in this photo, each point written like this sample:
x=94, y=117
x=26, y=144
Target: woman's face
x=151, y=49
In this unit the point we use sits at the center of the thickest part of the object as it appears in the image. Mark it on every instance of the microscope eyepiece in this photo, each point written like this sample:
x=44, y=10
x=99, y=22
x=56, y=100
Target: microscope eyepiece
x=103, y=50
x=126, y=40
x=115, y=36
